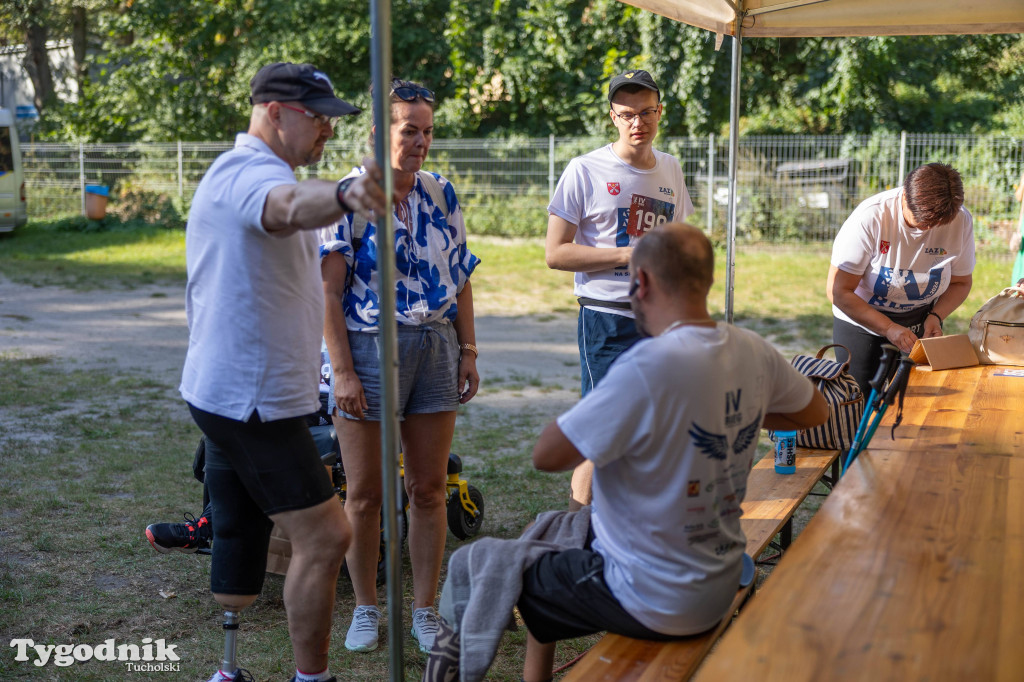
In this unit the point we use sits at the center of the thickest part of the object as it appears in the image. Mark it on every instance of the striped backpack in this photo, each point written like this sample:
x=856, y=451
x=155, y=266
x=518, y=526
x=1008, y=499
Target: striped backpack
x=844, y=398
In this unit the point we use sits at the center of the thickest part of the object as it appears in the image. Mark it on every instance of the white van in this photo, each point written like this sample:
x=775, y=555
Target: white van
x=13, y=209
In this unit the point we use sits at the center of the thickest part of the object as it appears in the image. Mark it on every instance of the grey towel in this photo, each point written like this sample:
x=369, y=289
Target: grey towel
x=485, y=579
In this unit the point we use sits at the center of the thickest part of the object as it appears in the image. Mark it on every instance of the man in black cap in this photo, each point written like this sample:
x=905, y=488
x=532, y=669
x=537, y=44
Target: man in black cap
x=254, y=302
x=604, y=202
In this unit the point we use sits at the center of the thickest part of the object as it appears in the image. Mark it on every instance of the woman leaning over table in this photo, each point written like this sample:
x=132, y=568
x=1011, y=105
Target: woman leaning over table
x=437, y=362
x=901, y=263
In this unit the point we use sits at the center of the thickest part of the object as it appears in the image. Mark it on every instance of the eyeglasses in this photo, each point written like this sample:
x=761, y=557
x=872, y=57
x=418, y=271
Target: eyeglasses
x=633, y=286
x=645, y=116
x=409, y=93
x=321, y=119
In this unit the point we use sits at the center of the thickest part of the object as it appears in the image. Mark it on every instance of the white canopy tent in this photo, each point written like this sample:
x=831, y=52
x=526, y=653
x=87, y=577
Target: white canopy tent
x=805, y=18
x=796, y=18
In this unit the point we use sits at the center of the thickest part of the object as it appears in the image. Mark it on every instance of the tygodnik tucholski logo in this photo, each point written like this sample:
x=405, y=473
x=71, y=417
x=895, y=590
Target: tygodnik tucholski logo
x=149, y=656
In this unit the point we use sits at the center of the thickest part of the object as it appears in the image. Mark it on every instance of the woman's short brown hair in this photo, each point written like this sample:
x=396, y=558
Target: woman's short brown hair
x=934, y=194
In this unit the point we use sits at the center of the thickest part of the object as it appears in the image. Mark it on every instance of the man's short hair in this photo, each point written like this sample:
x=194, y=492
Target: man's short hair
x=678, y=255
x=934, y=194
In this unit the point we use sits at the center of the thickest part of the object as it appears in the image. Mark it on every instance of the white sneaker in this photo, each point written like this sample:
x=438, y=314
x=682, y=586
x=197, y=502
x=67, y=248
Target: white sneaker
x=425, y=626
x=362, y=633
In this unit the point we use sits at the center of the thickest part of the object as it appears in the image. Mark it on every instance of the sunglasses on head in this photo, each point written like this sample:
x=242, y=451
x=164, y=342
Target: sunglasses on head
x=409, y=93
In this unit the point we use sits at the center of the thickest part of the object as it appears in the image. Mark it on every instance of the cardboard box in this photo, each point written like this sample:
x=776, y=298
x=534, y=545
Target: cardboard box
x=944, y=352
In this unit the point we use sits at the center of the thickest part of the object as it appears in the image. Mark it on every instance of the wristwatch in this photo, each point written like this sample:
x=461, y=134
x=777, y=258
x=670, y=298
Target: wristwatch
x=343, y=186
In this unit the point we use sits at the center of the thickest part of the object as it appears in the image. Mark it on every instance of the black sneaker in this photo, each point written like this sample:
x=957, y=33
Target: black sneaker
x=189, y=537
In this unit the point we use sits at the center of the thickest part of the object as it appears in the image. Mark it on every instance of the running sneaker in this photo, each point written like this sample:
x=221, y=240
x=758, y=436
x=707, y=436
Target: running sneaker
x=425, y=626
x=240, y=674
x=188, y=537
x=362, y=634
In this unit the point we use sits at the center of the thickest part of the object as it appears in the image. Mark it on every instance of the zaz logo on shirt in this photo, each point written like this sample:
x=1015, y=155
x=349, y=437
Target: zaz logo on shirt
x=614, y=188
x=667, y=190
x=937, y=251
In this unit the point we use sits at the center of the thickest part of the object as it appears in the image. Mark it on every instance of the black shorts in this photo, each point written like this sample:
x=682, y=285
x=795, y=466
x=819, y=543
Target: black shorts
x=564, y=596
x=277, y=462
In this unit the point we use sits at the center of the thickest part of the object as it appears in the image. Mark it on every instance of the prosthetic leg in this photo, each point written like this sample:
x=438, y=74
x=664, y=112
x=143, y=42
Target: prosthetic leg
x=240, y=539
x=230, y=662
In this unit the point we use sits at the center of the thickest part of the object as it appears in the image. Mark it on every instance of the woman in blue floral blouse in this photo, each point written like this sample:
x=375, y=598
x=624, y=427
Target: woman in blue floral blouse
x=437, y=361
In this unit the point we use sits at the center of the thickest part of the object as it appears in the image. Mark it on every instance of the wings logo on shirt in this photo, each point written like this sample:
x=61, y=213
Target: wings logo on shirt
x=716, y=446
x=614, y=188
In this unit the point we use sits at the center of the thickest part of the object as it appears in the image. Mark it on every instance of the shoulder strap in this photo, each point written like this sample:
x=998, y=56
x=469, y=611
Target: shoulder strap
x=433, y=188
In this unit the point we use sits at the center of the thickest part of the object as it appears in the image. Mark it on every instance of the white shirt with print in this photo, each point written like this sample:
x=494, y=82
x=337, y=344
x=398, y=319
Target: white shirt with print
x=901, y=268
x=672, y=430
x=432, y=261
x=613, y=204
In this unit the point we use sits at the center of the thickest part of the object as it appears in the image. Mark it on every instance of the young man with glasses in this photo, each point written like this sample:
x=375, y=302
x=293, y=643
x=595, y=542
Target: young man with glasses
x=604, y=202
x=255, y=311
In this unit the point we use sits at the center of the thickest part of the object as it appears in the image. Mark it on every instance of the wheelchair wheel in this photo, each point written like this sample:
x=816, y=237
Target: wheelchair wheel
x=462, y=523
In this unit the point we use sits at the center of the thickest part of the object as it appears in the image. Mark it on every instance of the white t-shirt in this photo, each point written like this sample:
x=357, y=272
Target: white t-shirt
x=672, y=430
x=254, y=302
x=903, y=268
x=613, y=204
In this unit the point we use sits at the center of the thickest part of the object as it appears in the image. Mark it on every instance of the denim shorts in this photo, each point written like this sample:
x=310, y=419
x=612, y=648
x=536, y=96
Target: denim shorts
x=602, y=337
x=428, y=370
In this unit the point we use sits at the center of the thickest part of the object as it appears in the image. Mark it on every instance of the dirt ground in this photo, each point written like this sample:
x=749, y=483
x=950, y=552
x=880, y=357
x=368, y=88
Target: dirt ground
x=145, y=330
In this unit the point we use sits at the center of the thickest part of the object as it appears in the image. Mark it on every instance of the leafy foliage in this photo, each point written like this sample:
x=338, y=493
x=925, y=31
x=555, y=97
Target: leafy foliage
x=164, y=71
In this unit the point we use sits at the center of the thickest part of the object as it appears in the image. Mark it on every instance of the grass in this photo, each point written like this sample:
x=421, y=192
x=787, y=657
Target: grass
x=91, y=457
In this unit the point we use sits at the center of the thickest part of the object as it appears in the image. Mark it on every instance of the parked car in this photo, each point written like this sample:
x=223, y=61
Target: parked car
x=13, y=207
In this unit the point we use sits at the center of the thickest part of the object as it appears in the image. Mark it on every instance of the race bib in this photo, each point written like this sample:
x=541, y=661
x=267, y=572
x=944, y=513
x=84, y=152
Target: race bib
x=646, y=212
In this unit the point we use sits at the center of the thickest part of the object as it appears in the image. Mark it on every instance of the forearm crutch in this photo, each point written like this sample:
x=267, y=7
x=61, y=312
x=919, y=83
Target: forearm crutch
x=875, y=407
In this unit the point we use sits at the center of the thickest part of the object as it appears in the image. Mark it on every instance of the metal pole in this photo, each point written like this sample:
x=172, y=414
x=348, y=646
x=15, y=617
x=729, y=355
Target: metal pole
x=903, y=158
x=711, y=180
x=551, y=165
x=81, y=174
x=181, y=182
x=734, y=134
x=380, y=21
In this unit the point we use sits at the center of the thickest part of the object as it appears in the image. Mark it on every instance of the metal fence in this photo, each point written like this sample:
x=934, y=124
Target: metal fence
x=790, y=188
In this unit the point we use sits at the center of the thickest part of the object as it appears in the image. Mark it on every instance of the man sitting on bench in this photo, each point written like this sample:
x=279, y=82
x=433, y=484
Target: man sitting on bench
x=672, y=430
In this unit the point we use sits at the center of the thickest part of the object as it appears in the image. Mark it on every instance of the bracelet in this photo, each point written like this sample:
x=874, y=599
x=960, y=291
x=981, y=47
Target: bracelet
x=339, y=193
x=470, y=347
x=932, y=312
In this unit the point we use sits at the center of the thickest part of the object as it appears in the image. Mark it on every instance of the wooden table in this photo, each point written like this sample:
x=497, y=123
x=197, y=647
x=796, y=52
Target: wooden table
x=913, y=568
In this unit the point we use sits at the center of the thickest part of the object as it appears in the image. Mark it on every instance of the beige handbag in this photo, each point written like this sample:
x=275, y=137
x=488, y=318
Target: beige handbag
x=997, y=329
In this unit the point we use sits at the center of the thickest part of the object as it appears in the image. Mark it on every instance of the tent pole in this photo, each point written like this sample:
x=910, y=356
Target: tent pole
x=380, y=20
x=734, y=135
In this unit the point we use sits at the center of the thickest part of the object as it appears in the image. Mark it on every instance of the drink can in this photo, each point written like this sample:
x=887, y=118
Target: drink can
x=785, y=452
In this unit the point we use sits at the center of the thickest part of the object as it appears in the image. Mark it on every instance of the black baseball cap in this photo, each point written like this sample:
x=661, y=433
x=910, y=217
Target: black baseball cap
x=638, y=77
x=287, y=82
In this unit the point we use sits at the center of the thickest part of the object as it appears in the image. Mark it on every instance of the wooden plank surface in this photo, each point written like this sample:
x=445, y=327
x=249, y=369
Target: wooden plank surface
x=639, y=660
x=772, y=498
x=951, y=409
x=912, y=568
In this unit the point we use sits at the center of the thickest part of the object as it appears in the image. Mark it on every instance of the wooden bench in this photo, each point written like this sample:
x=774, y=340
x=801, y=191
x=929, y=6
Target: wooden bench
x=768, y=510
